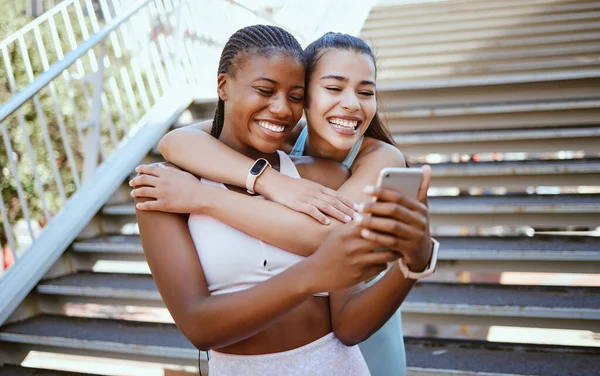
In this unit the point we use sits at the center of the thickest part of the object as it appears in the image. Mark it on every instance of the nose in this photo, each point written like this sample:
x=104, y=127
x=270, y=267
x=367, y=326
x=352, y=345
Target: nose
x=350, y=103
x=280, y=107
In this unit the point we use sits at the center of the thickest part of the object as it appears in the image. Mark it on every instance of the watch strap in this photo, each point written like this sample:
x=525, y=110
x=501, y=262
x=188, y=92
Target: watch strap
x=430, y=267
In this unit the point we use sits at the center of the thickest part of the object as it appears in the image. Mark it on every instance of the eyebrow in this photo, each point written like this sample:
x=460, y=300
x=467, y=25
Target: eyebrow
x=345, y=79
x=275, y=82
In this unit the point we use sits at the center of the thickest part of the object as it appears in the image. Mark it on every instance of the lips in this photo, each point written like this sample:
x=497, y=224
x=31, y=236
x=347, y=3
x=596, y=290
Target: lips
x=344, y=125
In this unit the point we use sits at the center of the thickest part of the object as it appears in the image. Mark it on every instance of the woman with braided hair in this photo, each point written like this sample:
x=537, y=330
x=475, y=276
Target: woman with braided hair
x=263, y=310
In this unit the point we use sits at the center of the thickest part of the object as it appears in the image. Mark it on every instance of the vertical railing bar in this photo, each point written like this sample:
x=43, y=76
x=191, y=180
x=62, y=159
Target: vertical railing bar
x=42, y=119
x=21, y=118
x=158, y=63
x=172, y=73
x=95, y=64
x=133, y=62
x=15, y=172
x=8, y=231
x=193, y=52
x=59, y=116
x=85, y=34
x=148, y=58
x=107, y=62
x=122, y=71
x=81, y=73
x=103, y=99
x=112, y=82
x=92, y=16
x=67, y=79
x=179, y=44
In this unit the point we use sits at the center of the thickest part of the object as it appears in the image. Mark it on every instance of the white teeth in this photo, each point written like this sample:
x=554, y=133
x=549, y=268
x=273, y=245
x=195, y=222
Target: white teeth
x=271, y=126
x=343, y=123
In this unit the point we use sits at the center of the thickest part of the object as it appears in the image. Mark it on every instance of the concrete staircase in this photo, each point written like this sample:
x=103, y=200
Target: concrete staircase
x=512, y=85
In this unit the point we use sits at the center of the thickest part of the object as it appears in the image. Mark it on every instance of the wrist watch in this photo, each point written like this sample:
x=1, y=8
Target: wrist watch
x=259, y=166
x=430, y=268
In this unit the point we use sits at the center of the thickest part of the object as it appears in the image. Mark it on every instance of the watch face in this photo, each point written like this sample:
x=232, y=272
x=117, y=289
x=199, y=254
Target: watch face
x=258, y=166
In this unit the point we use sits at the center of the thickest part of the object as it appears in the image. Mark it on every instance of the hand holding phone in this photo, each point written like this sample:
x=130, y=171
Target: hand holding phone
x=402, y=180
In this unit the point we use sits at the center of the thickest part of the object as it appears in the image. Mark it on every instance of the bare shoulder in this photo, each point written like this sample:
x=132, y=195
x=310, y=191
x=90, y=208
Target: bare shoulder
x=326, y=172
x=205, y=125
x=378, y=153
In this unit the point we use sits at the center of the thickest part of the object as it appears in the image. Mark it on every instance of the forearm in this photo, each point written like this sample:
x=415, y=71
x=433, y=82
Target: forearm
x=201, y=154
x=353, y=324
x=269, y=221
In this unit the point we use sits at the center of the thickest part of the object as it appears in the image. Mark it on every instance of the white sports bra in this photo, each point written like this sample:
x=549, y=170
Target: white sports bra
x=233, y=260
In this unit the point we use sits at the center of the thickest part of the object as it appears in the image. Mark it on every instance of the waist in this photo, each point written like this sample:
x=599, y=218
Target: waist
x=302, y=325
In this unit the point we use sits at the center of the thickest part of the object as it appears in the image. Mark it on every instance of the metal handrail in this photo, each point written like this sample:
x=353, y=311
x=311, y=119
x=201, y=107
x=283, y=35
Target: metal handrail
x=15, y=102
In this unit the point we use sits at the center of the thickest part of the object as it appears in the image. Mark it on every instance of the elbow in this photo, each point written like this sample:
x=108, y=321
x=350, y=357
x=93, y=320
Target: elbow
x=198, y=337
x=167, y=144
x=347, y=334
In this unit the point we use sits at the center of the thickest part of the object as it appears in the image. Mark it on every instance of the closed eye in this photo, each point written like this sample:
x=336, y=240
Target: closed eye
x=264, y=91
x=367, y=93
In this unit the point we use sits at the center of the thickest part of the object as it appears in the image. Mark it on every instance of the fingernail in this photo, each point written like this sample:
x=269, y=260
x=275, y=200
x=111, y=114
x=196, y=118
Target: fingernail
x=347, y=218
x=327, y=221
x=131, y=193
x=358, y=218
x=137, y=169
x=162, y=166
x=131, y=183
x=369, y=189
x=365, y=233
x=361, y=208
x=355, y=206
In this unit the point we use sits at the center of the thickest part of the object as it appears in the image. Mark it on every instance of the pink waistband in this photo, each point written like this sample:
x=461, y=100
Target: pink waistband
x=321, y=342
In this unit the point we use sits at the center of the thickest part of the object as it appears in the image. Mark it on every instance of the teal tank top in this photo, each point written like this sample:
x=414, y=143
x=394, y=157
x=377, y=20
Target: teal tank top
x=298, y=149
x=384, y=351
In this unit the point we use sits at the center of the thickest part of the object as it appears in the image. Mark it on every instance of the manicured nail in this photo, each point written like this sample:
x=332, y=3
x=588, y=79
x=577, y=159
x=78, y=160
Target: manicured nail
x=365, y=233
x=327, y=221
x=162, y=166
x=369, y=189
x=361, y=208
x=347, y=218
x=355, y=206
x=137, y=169
x=131, y=193
x=131, y=183
x=358, y=218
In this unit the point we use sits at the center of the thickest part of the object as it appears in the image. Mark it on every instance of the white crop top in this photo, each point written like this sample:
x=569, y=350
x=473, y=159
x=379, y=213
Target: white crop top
x=233, y=260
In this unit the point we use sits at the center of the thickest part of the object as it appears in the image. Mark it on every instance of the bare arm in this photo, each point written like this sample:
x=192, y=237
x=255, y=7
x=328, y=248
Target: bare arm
x=221, y=320
x=212, y=321
x=180, y=192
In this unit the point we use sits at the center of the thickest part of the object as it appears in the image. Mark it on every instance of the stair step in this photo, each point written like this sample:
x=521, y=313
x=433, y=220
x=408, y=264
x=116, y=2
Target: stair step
x=393, y=9
x=499, y=359
x=517, y=174
x=549, y=113
x=103, y=288
x=525, y=30
x=142, y=341
x=14, y=370
x=374, y=23
x=466, y=48
x=115, y=338
x=539, y=253
x=480, y=24
x=505, y=305
x=503, y=140
x=386, y=90
x=562, y=307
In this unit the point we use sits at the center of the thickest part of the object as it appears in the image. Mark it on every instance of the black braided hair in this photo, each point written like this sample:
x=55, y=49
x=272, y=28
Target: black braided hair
x=262, y=40
x=339, y=41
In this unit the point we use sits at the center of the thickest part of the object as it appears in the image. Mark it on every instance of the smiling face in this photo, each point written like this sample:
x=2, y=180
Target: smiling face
x=264, y=99
x=341, y=99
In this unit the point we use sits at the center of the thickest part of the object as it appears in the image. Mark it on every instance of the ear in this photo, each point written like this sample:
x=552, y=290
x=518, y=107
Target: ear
x=222, y=80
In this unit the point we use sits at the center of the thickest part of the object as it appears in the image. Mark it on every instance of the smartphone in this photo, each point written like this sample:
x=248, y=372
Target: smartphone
x=404, y=180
